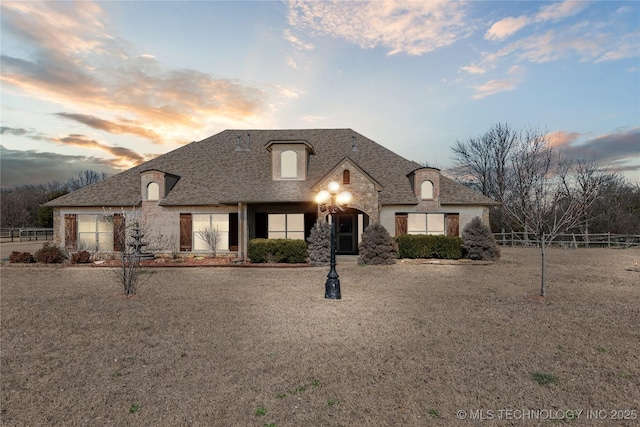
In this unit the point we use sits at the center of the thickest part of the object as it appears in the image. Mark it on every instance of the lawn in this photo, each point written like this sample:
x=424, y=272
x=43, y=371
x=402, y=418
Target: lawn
x=412, y=343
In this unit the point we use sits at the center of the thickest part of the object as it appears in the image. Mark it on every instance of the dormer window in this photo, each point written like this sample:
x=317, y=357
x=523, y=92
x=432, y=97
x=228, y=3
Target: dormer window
x=426, y=190
x=289, y=159
x=288, y=164
x=153, y=191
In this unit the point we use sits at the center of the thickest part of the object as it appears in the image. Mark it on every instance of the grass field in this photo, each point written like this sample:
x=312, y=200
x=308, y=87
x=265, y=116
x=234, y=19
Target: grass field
x=412, y=343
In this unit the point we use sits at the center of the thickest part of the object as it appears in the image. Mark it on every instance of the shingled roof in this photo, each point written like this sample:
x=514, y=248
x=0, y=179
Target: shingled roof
x=213, y=171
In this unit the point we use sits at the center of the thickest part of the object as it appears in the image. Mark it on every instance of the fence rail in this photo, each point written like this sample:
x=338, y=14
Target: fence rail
x=570, y=240
x=25, y=234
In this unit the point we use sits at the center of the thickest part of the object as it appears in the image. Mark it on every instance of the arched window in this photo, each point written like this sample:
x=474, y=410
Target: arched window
x=346, y=176
x=153, y=191
x=426, y=190
x=289, y=164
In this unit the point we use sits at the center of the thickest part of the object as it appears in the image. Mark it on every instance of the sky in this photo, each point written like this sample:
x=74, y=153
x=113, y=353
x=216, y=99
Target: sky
x=104, y=86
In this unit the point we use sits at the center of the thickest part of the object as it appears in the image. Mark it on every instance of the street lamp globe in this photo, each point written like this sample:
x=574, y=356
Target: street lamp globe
x=333, y=187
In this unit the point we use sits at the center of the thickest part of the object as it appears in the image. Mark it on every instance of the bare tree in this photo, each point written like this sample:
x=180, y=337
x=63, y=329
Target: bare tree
x=129, y=231
x=85, y=178
x=545, y=198
x=212, y=237
x=483, y=164
x=540, y=193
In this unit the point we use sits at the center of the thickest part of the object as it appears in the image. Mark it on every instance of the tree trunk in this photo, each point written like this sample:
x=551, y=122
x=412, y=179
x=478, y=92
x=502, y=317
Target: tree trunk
x=543, y=287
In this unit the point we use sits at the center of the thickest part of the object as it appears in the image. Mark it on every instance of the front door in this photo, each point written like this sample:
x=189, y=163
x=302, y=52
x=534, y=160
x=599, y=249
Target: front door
x=346, y=233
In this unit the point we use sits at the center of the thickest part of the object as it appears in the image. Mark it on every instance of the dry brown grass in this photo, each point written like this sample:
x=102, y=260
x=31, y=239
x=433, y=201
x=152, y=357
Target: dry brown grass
x=408, y=344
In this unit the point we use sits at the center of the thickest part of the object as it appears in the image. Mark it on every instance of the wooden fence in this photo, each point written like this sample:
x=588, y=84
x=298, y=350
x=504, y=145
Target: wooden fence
x=570, y=240
x=25, y=234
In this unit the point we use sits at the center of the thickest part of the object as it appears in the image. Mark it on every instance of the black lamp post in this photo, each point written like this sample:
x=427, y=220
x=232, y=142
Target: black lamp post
x=329, y=200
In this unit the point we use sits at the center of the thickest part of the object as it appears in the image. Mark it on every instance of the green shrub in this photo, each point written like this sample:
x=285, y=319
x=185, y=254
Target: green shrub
x=319, y=241
x=50, y=254
x=429, y=246
x=478, y=241
x=21, y=258
x=81, y=257
x=277, y=250
x=376, y=247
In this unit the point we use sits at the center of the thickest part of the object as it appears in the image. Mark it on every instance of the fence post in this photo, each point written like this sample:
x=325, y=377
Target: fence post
x=609, y=239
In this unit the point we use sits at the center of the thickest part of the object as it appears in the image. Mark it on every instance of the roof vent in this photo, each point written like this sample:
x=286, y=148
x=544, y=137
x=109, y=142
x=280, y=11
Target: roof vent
x=353, y=143
x=248, y=142
x=238, y=148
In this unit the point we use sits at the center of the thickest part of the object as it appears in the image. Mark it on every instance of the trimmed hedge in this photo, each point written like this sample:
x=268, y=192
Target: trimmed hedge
x=429, y=246
x=277, y=250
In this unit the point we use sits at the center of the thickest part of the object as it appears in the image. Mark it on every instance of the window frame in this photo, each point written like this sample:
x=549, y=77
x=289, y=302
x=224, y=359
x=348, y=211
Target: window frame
x=416, y=220
x=156, y=196
x=198, y=244
x=101, y=229
x=431, y=190
x=289, y=164
x=284, y=229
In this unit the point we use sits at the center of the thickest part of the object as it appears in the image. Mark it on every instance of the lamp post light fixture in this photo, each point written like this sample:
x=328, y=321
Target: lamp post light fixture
x=331, y=201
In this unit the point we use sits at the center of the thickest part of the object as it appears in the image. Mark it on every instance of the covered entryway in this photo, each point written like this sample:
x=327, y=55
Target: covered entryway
x=349, y=227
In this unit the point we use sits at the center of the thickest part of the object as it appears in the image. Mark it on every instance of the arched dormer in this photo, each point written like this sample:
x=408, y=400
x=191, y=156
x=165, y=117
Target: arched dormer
x=289, y=164
x=153, y=191
x=426, y=190
x=289, y=159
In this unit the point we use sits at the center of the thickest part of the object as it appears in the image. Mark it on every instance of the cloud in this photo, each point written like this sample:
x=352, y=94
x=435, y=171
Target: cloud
x=124, y=157
x=562, y=138
x=32, y=167
x=413, y=28
x=616, y=149
x=68, y=57
x=121, y=127
x=558, y=11
x=506, y=27
x=13, y=131
x=494, y=86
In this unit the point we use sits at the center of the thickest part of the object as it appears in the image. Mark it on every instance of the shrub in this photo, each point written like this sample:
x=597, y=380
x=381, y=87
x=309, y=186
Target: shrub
x=277, y=250
x=319, y=241
x=21, y=258
x=376, y=247
x=50, y=254
x=429, y=246
x=81, y=257
x=478, y=241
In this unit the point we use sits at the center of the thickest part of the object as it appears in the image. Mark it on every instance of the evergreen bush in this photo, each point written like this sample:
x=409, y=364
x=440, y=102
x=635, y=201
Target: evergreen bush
x=50, y=254
x=479, y=242
x=429, y=246
x=376, y=247
x=277, y=251
x=319, y=241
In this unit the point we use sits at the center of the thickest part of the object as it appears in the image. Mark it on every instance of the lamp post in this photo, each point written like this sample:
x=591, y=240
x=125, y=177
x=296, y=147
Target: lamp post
x=330, y=201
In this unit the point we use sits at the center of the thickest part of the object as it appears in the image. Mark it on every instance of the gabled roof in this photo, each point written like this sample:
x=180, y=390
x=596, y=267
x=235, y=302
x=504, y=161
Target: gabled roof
x=213, y=171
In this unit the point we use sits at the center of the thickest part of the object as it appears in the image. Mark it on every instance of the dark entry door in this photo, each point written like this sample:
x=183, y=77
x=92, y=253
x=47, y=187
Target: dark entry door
x=346, y=233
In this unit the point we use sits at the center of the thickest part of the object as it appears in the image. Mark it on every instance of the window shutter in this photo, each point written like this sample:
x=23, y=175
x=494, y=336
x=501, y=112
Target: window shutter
x=346, y=176
x=401, y=224
x=453, y=225
x=119, y=233
x=186, y=238
x=71, y=231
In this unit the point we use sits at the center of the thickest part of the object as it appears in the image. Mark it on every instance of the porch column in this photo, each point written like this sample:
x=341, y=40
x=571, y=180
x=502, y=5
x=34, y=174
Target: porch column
x=243, y=230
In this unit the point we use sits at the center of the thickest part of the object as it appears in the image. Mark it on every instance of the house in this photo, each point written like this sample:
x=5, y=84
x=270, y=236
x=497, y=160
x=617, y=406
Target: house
x=261, y=184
